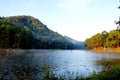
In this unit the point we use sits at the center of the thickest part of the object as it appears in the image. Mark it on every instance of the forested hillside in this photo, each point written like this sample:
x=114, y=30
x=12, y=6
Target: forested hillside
x=105, y=39
x=28, y=32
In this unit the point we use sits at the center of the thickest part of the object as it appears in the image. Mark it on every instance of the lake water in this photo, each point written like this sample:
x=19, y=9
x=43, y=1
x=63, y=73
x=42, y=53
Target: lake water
x=61, y=63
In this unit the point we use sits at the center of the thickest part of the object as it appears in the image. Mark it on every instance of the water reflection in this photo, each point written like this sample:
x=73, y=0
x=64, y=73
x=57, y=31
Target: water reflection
x=34, y=64
x=18, y=67
x=2, y=53
x=108, y=63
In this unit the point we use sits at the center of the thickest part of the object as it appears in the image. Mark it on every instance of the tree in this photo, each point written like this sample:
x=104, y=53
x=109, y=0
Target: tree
x=27, y=38
x=118, y=22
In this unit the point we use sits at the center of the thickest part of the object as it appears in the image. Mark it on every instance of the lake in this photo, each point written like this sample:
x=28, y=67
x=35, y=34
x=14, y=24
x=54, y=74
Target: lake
x=60, y=63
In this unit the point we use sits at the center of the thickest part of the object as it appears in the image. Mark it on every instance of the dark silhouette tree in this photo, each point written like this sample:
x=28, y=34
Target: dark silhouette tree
x=118, y=22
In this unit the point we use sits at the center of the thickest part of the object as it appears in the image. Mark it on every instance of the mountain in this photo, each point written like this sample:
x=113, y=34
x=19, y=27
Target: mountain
x=28, y=32
x=76, y=44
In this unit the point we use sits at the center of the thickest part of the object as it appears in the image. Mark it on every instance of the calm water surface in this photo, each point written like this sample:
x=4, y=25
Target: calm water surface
x=66, y=63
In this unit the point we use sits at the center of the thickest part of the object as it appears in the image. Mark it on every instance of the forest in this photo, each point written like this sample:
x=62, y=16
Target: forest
x=105, y=40
x=27, y=32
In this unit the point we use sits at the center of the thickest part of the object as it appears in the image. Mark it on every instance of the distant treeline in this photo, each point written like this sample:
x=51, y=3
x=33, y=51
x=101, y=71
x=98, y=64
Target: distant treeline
x=104, y=39
x=27, y=32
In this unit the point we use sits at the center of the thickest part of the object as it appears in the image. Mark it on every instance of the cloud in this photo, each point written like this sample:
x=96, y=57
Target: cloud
x=73, y=4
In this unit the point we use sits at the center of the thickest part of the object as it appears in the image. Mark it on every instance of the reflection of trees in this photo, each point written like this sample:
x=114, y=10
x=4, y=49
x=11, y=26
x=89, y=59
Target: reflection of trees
x=19, y=67
x=108, y=63
x=23, y=67
x=2, y=53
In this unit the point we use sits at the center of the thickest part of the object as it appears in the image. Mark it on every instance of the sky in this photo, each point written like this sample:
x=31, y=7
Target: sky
x=78, y=19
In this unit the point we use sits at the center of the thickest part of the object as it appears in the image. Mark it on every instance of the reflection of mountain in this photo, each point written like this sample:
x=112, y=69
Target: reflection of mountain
x=41, y=37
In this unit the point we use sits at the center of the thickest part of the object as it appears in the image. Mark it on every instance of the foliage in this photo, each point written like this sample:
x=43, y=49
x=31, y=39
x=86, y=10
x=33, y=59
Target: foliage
x=112, y=74
x=111, y=70
x=14, y=37
x=27, y=32
x=104, y=39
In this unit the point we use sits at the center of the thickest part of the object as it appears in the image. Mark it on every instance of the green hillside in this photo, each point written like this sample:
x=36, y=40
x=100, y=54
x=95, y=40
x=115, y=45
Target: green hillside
x=28, y=32
x=105, y=39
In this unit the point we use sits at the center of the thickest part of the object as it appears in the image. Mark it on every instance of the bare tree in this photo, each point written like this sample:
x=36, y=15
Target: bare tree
x=118, y=22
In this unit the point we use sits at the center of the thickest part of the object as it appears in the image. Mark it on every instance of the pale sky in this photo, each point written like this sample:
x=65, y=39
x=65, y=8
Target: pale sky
x=78, y=19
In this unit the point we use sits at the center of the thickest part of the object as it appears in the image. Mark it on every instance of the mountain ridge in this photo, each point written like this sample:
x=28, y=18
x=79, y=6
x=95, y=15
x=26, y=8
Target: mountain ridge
x=43, y=36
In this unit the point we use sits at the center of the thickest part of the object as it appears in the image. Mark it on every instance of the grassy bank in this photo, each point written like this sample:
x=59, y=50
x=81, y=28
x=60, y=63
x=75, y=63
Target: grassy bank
x=111, y=70
x=111, y=74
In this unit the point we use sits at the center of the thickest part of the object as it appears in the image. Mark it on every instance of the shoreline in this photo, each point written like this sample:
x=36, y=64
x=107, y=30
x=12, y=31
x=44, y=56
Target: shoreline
x=106, y=50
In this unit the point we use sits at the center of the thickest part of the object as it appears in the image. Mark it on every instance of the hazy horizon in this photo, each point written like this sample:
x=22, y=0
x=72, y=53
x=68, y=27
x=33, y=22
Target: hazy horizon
x=77, y=19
